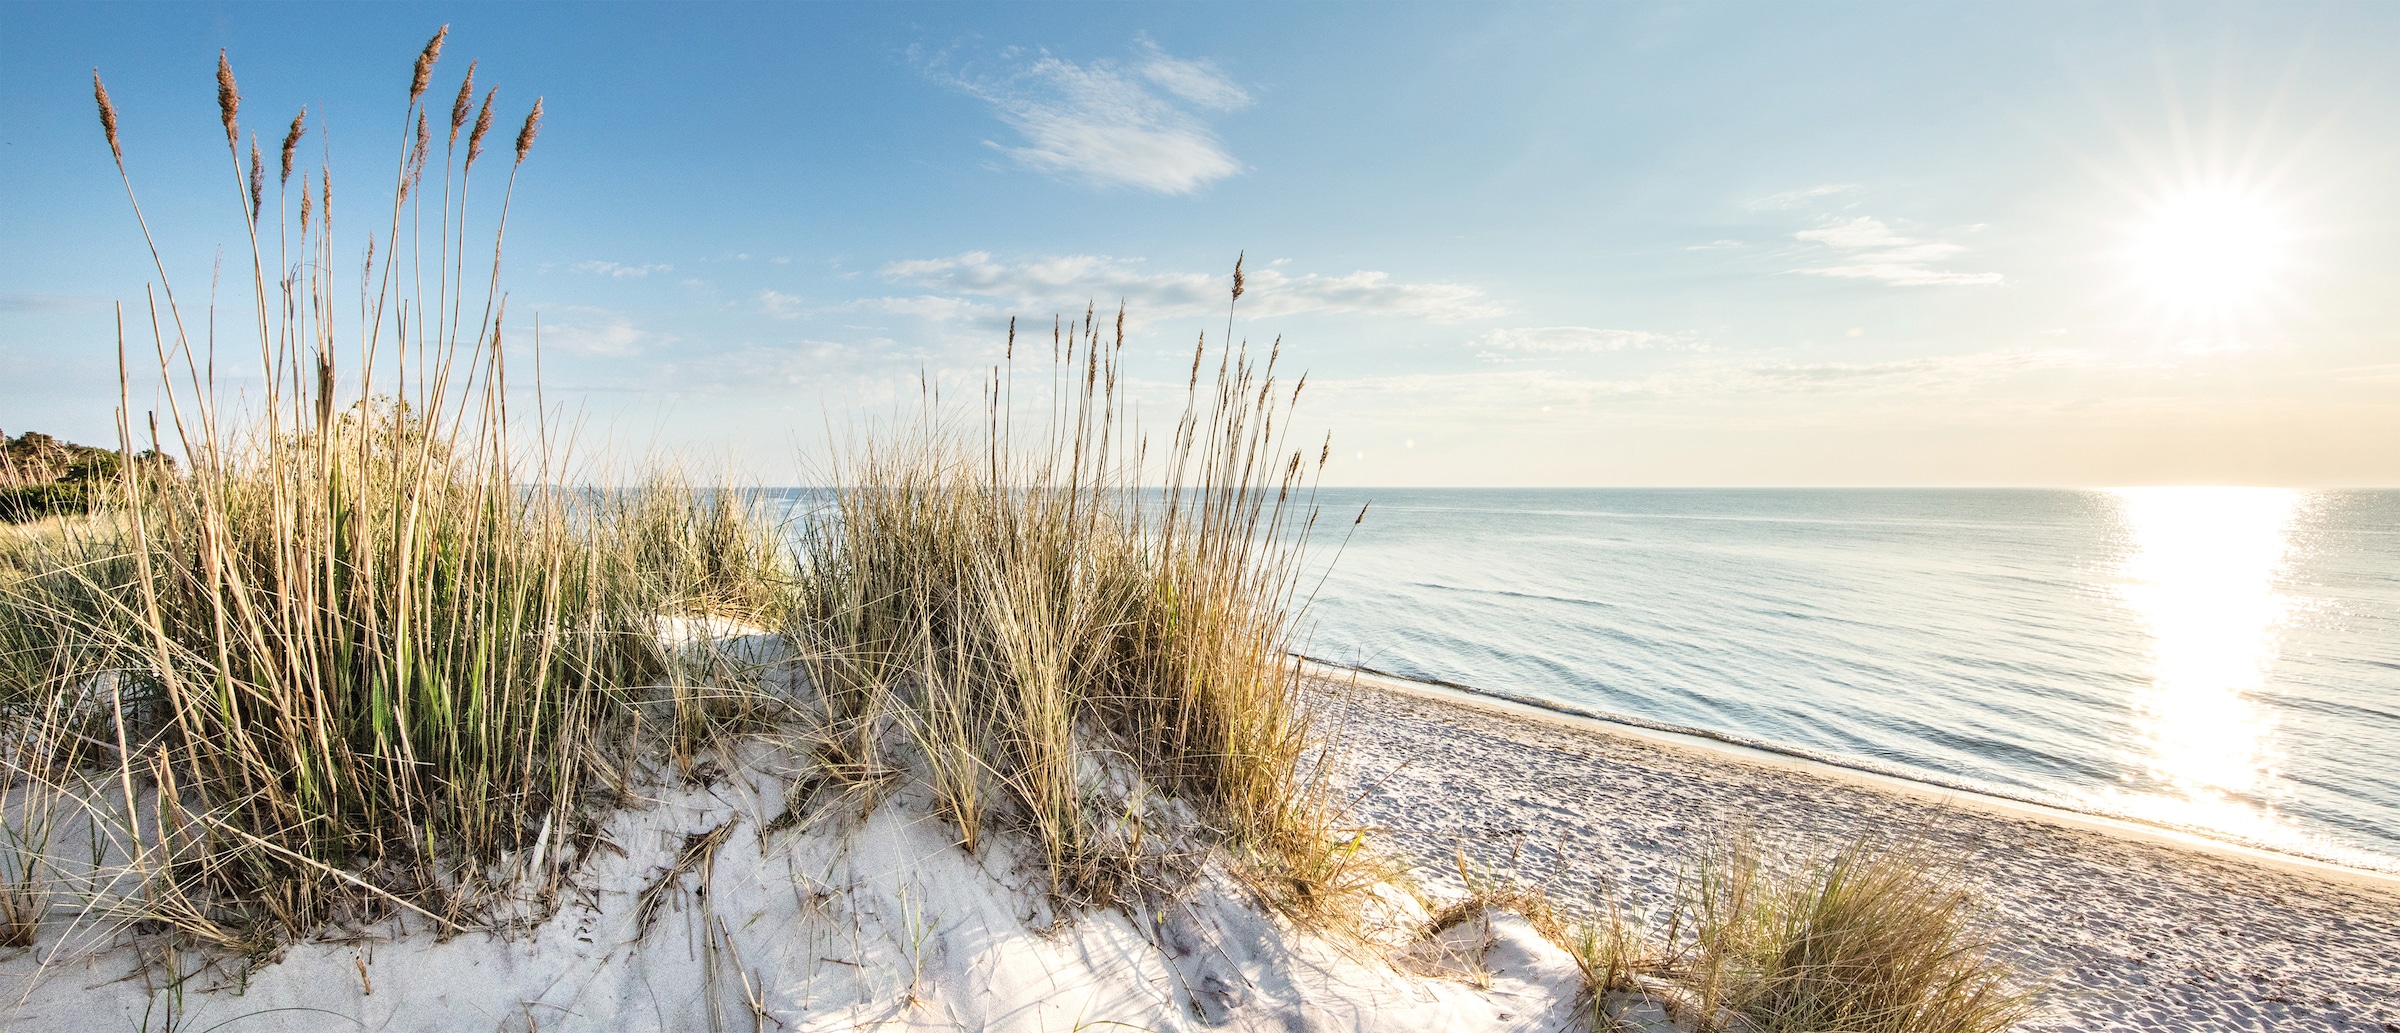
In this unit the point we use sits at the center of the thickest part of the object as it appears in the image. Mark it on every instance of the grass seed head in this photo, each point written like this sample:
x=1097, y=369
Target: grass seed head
x=483, y=124
x=108, y=118
x=1237, y=274
x=258, y=181
x=425, y=60
x=416, y=160
x=458, y=108
x=533, y=126
x=229, y=100
x=291, y=141
x=304, y=204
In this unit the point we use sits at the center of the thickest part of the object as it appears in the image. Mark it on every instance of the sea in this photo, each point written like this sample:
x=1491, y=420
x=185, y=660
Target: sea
x=2220, y=660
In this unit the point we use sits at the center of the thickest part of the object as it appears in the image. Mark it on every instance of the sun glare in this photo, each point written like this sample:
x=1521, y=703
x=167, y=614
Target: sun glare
x=2202, y=578
x=2208, y=249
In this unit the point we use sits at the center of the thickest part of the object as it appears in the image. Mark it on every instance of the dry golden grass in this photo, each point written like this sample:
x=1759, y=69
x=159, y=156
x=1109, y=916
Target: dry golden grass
x=1872, y=937
x=1875, y=937
x=363, y=646
x=350, y=654
x=1066, y=650
x=360, y=647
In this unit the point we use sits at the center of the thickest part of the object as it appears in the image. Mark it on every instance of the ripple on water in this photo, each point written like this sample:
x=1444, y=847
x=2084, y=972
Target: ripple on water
x=2213, y=658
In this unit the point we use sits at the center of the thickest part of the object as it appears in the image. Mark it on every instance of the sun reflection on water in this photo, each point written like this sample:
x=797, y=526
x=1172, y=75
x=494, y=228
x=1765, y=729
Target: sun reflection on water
x=2202, y=577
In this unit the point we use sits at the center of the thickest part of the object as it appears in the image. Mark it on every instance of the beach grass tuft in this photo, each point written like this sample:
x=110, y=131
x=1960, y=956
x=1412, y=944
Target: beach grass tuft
x=365, y=649
x=363, y=644
x=1874, y=936
x=1068, y=650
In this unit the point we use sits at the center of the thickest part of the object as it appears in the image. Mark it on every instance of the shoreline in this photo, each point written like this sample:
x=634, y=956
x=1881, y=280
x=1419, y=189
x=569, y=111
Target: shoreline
x=1764, y=755
x=2125, y=930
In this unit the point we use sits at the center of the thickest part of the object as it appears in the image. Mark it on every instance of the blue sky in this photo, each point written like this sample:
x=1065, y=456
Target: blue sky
x=1792, y=243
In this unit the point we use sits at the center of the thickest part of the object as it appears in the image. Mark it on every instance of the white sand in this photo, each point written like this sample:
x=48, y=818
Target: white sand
x=860, y=916
x=879, y=919
x=2131, y=931
x=841, y=923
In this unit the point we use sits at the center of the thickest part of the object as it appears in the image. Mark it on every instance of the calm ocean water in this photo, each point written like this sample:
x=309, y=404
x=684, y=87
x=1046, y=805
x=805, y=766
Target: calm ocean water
x=2220, y=659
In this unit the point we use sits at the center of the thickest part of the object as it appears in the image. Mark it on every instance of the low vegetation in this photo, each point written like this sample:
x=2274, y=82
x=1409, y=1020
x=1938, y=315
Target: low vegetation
x=362, y=652
x=42, y=476
x=362, y=648
x=1068, y=653
x=1872, y=936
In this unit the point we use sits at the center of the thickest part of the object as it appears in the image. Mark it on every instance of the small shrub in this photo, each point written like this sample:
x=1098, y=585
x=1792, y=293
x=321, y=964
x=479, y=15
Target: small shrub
x=25, y=503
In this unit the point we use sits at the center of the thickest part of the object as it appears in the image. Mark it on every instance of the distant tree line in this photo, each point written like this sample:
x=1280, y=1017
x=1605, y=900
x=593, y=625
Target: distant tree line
x=43, y=476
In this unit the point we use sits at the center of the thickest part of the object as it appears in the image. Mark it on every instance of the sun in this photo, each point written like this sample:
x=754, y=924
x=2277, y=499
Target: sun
x=2208, y=249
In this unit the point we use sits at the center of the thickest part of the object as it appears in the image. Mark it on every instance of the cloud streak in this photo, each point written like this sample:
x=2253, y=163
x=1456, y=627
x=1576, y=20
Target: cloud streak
x=583, y=330
x=1071, y=280
x=1504, y=393
x=617, y=270
x=1141, y=125
x=1864, y=248
x=1528, y=341
x=50, y=303
x=1807, y=197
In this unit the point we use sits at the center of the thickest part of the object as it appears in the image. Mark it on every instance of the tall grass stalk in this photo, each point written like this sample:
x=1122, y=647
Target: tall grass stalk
x=1064, y=644
x=363, y=645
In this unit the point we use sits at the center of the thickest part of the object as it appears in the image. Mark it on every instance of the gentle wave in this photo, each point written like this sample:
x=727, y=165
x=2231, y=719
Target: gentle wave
x=2211, y=659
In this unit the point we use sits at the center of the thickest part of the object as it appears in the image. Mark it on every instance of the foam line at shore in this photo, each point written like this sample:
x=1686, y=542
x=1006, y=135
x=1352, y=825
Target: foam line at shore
x=1769, y=755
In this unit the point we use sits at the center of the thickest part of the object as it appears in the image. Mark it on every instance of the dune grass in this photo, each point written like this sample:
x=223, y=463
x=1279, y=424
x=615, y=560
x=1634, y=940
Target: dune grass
x=358, y=649
x=360, y=652
x=1873, y=936
x=1067, y=651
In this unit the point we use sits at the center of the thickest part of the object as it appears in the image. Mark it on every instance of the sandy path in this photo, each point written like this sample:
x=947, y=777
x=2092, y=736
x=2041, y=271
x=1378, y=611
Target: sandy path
x=2131, y=935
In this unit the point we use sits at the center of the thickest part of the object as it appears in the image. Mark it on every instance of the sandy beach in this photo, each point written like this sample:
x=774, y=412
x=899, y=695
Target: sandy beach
x=2128, y=932
x=876, y=918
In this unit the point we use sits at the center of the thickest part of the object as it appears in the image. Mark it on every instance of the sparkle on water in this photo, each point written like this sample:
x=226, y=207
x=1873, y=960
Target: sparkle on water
x=2201, y=575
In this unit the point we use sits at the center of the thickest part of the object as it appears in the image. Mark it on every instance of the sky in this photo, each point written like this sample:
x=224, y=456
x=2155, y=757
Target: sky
x=1599, y=244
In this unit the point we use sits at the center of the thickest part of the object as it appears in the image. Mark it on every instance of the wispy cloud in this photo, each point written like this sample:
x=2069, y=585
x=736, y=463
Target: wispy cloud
x=50, y=303
x=1508, y=393
x=1805, y=197
x=1201, y=83
x=1864, y=248
x=935, y=307
x=781, y=305
x=595, y=331
x=620, y=270
x=1930, y=373
x=1527, y=341
x=1069, y=281
x=1140, y=124
x=2388, y=373
x=938, y=308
